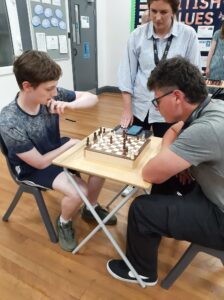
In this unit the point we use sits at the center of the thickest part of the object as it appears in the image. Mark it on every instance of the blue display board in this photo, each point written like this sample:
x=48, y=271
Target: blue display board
x=204, y=16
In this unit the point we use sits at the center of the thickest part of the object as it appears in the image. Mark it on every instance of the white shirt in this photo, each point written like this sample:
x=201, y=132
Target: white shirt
x=138, y=62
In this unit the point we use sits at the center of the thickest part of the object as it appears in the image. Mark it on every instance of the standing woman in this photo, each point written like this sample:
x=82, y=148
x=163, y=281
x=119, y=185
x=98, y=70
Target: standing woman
x=215, y=61
x=163, y=37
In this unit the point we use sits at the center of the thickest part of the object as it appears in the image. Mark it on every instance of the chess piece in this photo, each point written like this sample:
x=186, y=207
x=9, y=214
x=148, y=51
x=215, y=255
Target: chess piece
x=94, y=137
x=87, y=141
x=111, y=139
x=104, y=130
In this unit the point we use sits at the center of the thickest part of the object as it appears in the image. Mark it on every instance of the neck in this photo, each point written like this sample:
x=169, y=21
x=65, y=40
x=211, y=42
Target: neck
x=189, y=110
x=27, y=105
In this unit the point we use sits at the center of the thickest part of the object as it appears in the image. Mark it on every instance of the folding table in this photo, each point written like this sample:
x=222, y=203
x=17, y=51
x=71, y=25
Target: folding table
x=75, y=159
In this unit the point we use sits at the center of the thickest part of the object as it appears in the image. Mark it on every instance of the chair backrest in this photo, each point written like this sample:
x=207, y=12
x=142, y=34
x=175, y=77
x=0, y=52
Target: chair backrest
x=4, y=151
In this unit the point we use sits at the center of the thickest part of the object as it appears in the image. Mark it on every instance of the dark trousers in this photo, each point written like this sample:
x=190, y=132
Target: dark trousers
x=158, y=128
x=191, y=217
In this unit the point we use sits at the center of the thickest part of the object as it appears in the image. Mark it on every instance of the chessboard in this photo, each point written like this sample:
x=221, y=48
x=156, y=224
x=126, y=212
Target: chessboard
x=214, y=83
x=115, y=148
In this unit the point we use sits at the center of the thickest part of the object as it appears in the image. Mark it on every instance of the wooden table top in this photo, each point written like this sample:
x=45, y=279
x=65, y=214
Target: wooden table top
x=74, y=159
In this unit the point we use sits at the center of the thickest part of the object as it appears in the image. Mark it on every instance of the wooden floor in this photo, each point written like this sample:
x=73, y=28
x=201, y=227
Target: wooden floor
x=31, y=267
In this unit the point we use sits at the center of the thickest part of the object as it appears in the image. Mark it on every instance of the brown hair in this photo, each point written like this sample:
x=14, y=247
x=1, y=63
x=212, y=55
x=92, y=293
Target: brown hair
x=173, y=3
x=179, y=73
x=35, y=67
x=222, y=30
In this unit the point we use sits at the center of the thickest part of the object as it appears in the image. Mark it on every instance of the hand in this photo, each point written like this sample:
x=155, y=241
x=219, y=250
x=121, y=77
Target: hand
x=57, y=107
x=207, y=71
x=185, y=177
x=126, y=118
x=171, y=134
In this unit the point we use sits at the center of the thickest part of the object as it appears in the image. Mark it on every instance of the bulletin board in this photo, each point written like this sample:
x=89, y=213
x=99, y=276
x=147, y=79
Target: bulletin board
x=48, y=24
x=204, y=16
x=137, y=9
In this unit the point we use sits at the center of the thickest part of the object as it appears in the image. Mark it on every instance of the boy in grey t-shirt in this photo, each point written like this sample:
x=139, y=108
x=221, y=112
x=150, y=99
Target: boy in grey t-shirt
x=29, y=126
x=191, y=161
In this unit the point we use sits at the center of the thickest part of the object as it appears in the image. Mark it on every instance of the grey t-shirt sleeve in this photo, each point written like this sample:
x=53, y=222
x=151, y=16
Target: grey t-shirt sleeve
x=65, y=95
x=15, y=140
x=196, y=144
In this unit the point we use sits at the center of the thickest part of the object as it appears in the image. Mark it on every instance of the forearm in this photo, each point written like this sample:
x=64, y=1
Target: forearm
x=84, y=100
x=47, y=158
x=126, y=100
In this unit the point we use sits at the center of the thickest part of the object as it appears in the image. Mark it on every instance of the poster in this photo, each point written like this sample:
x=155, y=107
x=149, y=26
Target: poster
x=204, y=16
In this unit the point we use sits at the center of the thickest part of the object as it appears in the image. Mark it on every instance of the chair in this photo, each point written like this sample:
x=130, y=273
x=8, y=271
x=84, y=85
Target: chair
x=35, y=191
x=185, y=260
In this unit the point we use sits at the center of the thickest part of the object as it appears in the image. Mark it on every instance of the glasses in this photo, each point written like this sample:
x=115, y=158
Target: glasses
x=156, y=101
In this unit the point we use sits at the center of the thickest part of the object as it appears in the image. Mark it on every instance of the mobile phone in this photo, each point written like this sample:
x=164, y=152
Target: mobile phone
x=134, y=130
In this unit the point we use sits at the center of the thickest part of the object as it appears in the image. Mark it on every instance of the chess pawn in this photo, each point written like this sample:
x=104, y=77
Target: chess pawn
x=104, y=130
x=132, y=155
x=87, y=141
x=111, y=139
x=94, y=137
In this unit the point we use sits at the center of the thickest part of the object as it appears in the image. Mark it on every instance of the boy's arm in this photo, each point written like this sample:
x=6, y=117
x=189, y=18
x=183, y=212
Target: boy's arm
x=83, y=100
x=35, y=159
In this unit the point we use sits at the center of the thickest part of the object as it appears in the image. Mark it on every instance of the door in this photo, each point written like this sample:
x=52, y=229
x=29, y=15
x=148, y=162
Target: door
x=83, y=43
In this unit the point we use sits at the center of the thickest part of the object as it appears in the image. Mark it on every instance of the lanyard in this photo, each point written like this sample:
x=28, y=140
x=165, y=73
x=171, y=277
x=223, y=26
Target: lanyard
x=156, y=58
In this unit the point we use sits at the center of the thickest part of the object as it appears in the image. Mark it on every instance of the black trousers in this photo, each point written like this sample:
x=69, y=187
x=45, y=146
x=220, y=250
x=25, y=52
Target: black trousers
x=158, y=128
x=191, y=217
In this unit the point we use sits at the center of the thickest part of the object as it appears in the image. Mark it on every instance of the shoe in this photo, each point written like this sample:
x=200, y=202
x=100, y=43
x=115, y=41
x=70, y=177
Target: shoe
x=127, y=191
x=102, y=213
x=119, y=270
x=66, y=236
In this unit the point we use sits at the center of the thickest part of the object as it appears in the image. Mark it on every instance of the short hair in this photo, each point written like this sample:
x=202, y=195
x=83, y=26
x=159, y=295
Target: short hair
x=179, y=73
x=173, y=3
x=35, y=67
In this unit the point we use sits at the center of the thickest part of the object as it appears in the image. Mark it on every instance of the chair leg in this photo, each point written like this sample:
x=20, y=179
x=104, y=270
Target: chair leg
x=181, y=265
x=13, y=204
x=45, y=216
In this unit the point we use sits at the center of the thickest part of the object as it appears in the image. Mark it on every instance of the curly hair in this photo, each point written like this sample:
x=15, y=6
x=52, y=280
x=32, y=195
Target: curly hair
x=179, y=73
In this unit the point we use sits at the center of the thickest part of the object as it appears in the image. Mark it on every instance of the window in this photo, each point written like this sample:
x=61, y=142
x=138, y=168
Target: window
x=10, y=36
x=6, y=46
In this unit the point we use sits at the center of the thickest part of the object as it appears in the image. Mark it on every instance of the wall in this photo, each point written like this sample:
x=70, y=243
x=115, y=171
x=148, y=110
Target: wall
x=7, y=79
x=113, y=29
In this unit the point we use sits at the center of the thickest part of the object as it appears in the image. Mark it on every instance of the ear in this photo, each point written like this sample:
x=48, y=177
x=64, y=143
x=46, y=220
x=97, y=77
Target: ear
x=26, y=86
x=179, y=96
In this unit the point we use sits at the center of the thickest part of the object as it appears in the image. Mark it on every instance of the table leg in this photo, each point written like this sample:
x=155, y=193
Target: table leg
x=103, y=227
x=115, y=197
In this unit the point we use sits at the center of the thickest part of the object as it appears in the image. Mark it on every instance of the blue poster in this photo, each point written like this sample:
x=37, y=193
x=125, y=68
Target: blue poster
x=86, y=51
x=201, y=13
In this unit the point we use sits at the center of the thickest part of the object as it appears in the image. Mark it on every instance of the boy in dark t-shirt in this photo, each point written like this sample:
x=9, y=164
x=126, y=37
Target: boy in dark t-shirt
x=29, y=126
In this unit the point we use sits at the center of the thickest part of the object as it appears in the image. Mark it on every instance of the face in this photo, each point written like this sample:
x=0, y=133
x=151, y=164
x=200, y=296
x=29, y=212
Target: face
x=43, y=92
x=168, y=104
x=161, y=15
